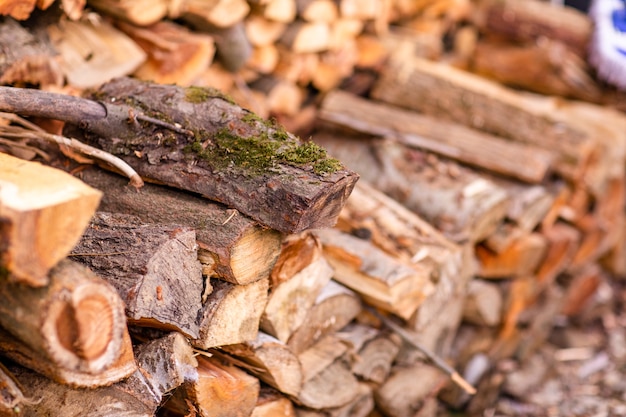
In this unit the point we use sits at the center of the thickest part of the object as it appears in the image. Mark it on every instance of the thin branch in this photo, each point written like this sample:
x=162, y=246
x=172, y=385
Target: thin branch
x=34, y=132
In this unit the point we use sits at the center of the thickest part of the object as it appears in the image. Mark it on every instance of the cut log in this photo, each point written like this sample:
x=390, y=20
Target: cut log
x=27, y=60
x=334, y=308
x=164, y=364
x=263, y=32
x=317, y=10
x=255, y=166
x=93, y=54
x=271, y=361
x=232, y=247
x=381, y=280
x=282, y=96
x=221, y=390
x=305, y=37
x=174, y=54
x=155, y=269
x=334, y=66
x=20, y=9
x=477, y=102
x=233, y=47
x=563, y=241
x=297, y=279
x=43, y=212
x=232, y=313
x=483, y=305
x=216, y=13
x=283, y=11
x=73, y=330
x=395, y=400
x=457, y=201
x=272, y=404
x=522, y=161
x=140, y=13
x=521, y=258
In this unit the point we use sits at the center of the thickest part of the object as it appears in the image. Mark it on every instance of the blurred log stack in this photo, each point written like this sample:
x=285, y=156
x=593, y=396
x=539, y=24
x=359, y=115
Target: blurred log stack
x=490, y=206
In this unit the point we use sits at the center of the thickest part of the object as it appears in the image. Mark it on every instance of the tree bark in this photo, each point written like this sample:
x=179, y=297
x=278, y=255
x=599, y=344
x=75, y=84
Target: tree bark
x=154, y=268
x=43, y=212
x=73, y=330
x=232, y=247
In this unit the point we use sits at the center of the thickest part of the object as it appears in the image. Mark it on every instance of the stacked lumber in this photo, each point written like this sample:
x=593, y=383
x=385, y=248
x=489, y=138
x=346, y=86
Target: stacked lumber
x=264, y=284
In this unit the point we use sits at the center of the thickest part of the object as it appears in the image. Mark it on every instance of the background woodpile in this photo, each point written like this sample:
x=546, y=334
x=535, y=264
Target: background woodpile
x=490, y=207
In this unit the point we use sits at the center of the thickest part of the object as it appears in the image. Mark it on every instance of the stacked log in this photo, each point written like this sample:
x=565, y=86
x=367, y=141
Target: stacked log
x=482, y=213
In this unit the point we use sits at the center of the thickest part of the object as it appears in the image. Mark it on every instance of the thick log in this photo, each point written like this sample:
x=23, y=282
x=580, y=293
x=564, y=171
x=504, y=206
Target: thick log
x=253, y=166
x=232, y=247
x=469, y=146
x=154, y=268
x=361, y=406
x=306, y=37
x=232, y=313
x=73, y=330
x=27, y=60
x=296, y=280
x=221, y=390
x=140, y=13
x=164, y=364
x=43, y=212
x=272, y=404
x=271, y=361
x=381, y=280
x=334, y=308
x=457, y=201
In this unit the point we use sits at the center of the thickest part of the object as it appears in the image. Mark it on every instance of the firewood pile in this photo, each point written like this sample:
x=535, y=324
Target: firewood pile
x=252, y=274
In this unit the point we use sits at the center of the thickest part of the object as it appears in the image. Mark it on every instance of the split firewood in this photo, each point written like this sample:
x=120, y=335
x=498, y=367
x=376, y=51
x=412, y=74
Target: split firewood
x=12, y=399
x=395, y=400
x=334, y=308
x=164, y=364
x=93, y=53
x=231, y=246
x=344, y=31
x=43, y=212
x=317, y=10
x=271, y=361
x=272, y=404
x=373, y=352
x=294, y=67
x=299, y=275
x=221, y=390
x=19, y=10
x=477, y=102
x=361, y=9
x=264, y=59
x=483, y=305
x=283, y=11
x=140, y=13
x=381, y=280
x=154, y=268
x=73, y=330
x=220, y=13
x=580, y=289
x=261, y=31
x=174, y=54
x=334, y=66
x=361, y=406
x=457, y=201
x=304, y=37
x=529, y=205
x=563, y=241
x=525, y=162
x=328, y=382
x=28, y=60
x=521, y=258
x=528, y=21
x=232, y=45
x=282, y=96
x=232, y=313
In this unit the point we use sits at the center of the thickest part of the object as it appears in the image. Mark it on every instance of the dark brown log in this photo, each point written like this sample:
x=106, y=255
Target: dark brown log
x=232, y=247
x=73, y=330
x=154, y=268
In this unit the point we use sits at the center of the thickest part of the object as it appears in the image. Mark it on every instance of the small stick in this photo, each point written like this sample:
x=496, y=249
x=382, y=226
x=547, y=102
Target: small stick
x=440, y=363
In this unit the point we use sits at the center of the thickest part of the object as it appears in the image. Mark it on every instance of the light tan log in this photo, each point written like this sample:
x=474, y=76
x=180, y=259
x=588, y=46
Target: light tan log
x=283, y=11
x=334, y=307
x=521, y=258
x=231, y=245
x=297, y=279
x=395, y=400
x=381, y=280
x=477, y=102
x=282, y=96
x=272, y=404
x=231, y=313
x=317, y=10
x=217, y=13
x=328, y=383
x=334, y=66
x=483, y=305
x=140, y=13
x=361, y=406
x=174, y=54
x=164, y=364
x=296, y=67
x=264, y=59
x=73, y=330
x=303, y=37
x=43, y=212
x=154, y=268
x=221, y=390
x=94, y=54
x=360, y=9
x=457, y=201
x=262, y=31
x=343, y=31
x=469, y=146
x=271, y=361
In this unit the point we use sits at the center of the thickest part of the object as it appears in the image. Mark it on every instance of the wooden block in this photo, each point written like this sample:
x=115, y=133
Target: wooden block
x=264, y=59
x=140, y=13
x=303, y=37
x=262, y=31
x=521, y=258
x=317, y=10
x=271, y=404
x=155, y=269
x=283, y=11
x=483, y=305
x=73, y=330
x=282, y=96
x=43, y=212
x=219, y=14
